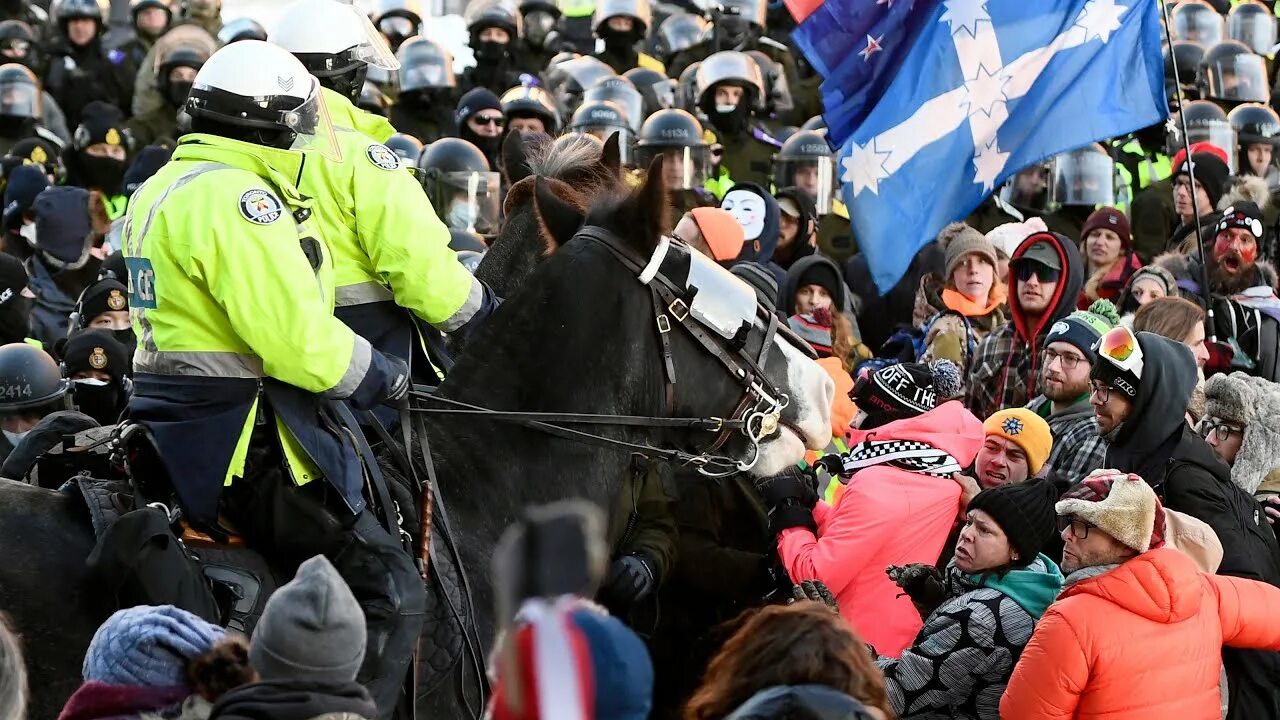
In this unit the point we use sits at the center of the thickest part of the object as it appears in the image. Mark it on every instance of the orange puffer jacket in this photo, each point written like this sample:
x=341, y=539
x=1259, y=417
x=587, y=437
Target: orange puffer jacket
x=1141, y=642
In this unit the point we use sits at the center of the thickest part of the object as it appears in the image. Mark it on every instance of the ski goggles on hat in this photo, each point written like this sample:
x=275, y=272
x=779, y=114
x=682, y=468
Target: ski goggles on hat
x=1120, y=347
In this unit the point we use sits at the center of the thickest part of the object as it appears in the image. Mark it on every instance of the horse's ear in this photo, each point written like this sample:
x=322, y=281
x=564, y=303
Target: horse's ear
x=651, y=197
x=559, y=219
x=611, y=156
x=514, y=159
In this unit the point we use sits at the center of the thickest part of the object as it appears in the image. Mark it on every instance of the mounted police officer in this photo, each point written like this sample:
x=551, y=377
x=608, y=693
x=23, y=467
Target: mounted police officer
x=390, y=252
x=495, y=29
x=622, y=25
x=427, y=86
x=686, y=157
x=730, y=90
x=231, y=288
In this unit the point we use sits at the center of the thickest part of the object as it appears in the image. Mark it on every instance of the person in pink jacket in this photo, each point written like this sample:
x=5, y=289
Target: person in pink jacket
x=899, y=504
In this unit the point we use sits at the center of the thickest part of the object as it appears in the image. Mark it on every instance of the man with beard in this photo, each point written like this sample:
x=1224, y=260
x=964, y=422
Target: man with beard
x=1233, y=256
x=1063, y=401
x=480, y=122
x=1141, y=386
x=1212, y=178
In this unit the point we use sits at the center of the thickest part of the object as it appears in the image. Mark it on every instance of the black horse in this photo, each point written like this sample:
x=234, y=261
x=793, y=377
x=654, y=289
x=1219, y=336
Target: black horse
x=577, y=336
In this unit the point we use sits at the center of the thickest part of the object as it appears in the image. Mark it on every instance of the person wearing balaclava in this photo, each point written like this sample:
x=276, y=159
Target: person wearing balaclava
x=98, y=368
x=104, y=305
x=20, y=193
x=480, y=122
x=174, y=77
x=622, y=25
x=15, y=301
x=494, y=28
x=70, y=221
x=98, y=158
x=729, y=87
x=81, y=70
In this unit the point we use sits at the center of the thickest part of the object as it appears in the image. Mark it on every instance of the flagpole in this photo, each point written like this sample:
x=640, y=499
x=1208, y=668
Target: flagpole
x=1210, y=325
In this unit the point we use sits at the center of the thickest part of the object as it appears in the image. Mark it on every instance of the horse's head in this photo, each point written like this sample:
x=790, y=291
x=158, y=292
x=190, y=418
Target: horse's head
x=552, y=183
x=720, y=354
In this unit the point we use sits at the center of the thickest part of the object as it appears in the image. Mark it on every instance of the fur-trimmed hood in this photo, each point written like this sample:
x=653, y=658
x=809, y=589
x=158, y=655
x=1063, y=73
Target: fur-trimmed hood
x=1186, y=269
x=1246, y=187
x=1254, y=403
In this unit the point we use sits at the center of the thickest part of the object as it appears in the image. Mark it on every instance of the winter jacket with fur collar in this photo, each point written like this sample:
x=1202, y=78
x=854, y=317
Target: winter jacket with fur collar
x=1140, y=642
x=983, y=624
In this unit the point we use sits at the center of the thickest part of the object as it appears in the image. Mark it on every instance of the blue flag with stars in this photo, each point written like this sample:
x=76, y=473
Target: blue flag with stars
x=984, y=89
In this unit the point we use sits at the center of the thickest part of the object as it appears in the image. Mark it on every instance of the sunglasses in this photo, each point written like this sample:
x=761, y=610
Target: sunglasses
x=1120, y=347
x=1027, y=268
x=498, y=121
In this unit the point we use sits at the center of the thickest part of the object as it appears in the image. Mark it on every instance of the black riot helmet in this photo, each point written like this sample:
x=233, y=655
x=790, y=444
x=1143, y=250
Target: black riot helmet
x=461, y=186
x=679, y=138
x=20, y=95
x=1231, y=72
x=678, y=33
x=1186, y=57
x=1198, y=21
x=1253, y=24
x=425, y=65
x=30, y=381
x=656, y=90
x=738, y=23
x=805, y=161
x=408, y=147
x=1255, y=125
x=603, y=119
x=638, y=10
x=540, y=18
x=372, y=100
x=1206, y=122
x=398, y=20
x=569, y=79
x=481, y=14
x=17, y=38
x=64, y=11
x=621, y=92
x=532, y=101
x=242, y=28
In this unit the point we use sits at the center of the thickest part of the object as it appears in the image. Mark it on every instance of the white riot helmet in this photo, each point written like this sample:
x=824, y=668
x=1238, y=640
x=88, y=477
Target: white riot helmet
x=335, y=42
x=256, y=86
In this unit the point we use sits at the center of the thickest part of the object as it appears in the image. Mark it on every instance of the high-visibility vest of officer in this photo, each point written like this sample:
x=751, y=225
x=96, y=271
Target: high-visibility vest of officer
x=232, y=288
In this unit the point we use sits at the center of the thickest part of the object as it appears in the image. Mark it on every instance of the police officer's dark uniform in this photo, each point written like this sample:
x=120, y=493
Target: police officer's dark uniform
x=78, y=75
x=427, y=91
x=135, y=49
x=498, y=65
x=747, y=147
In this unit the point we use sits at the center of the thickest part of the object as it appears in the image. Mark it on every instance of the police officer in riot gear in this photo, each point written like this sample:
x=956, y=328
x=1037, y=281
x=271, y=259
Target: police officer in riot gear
x=540, y=35
x=622, y=25
x=530, y=109
x=621, y=92
x=80, y=69
x=1199, y=22
x=678, y=33
x=603, y=119
x=568, y=80
x=249, y=334
x=681, y=141
x=398, y=20
x=407, y=147
x=657, y=91
x=1253, y=24
x=31, y=387
x=21, y=107
x=1080, y=181
x=495, y=27
x=461, y=185
x=338, y=45
x=730, y=91
x=1206, y=122
x=1230, y=73
x=150, y=18
x=806, y=161
x=1257, y=132
x=427, y=86
x=30, y=13
x=1186, y=56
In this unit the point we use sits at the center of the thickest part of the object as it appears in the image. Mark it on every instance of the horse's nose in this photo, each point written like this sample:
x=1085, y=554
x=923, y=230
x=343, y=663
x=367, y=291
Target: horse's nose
x=813, y=392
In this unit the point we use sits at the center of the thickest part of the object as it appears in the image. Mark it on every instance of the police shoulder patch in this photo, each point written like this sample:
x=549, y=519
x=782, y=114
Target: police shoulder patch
x=260, y=207
x=383, y=157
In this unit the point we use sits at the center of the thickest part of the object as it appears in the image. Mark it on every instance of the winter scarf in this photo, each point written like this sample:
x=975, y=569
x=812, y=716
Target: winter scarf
x=909, y=455
x=97, y=700
x=1034, y=587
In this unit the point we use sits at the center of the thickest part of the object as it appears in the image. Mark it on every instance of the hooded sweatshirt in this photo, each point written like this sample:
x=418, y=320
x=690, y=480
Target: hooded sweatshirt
x=984, y=623
x=758, y=214
x=816, y=328
x=886, y=516
x=1003, y=370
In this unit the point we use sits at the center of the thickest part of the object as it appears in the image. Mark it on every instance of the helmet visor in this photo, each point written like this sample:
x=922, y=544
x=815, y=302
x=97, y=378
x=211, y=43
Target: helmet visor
x=19, y=99
x=625, y=97
x=1257, y=30
x=1242, y=78
x=1028, y=189
x=470, y=201
x=426, y=76
x=1199, y=24
x=815, y=176
x=1217, y=132
x=373, y=49
x=314, y=126
x=1083, y=178
x=683, y=168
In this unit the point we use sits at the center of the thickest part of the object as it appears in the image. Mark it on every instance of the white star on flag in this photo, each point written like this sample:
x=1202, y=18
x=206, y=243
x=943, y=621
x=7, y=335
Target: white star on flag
x=865, y=167
x=965, y=15
x=873, y=47
x=986, y=91
x=1100, y=18
x=987, y=165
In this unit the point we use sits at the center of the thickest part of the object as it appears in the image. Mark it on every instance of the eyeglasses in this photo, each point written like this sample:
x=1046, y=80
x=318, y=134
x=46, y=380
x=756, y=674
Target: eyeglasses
x=1069, y=360
x=1102, y=391
x=496, y=121
x=1027, y=268
x=1220, y=429
x=1120, y=347
x=1079, y=528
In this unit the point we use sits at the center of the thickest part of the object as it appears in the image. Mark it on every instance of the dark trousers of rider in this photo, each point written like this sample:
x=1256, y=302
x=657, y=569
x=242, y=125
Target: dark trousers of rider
x=289, y=524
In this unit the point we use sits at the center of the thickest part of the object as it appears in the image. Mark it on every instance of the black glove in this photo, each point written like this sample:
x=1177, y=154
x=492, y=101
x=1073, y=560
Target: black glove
x=398, y=380
x=816, y=591
x=922, y=583
x=790, y=484
x=791, y=515
x=630, y=579
x=833, y=464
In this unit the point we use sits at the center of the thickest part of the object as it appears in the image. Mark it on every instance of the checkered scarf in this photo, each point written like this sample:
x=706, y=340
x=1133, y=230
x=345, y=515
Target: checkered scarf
x=909, y=455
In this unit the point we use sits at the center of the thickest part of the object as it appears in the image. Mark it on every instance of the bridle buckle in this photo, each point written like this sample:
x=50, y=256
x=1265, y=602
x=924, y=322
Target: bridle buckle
x=678, y=309
x=664, y=324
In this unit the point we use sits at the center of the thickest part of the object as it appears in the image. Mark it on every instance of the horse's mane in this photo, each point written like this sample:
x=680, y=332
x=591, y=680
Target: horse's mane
x=574, y=159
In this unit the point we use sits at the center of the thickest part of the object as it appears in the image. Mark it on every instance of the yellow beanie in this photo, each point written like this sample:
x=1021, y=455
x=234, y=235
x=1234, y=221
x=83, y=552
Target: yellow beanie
x=1027, y=430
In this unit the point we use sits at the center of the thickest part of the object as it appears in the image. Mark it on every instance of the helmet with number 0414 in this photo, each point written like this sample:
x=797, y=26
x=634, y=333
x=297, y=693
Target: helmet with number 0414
x=461, y=186
x=678, y=137
x=29, y=380
x=805, y=161
x=335, y=42
x=259, y=92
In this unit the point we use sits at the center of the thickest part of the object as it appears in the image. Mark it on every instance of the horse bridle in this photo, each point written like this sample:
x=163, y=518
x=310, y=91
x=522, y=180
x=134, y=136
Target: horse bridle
x=756, y=416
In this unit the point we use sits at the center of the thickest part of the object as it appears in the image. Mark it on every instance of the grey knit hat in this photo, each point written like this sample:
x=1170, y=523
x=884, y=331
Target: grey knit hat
x=311, y=629
x=958, y=240
x=1253, y=403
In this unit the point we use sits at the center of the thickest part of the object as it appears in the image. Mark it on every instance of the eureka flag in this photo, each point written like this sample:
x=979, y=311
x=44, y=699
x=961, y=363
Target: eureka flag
x=984, y=89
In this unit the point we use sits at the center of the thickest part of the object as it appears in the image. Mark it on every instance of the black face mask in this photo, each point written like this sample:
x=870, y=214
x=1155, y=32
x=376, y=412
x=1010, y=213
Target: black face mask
x=732, y=122
x=176, y=93
x=488, y=145
x=490, y=52
x=103, y=403
x=129, y=340
x=15, y=319
x=619, y=43
x=105, y=174
x=14, y=127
